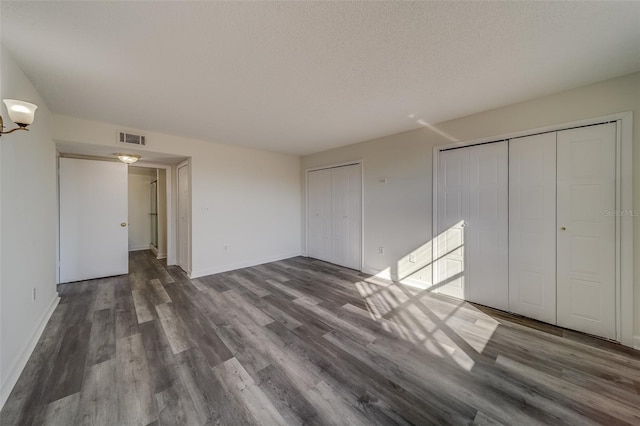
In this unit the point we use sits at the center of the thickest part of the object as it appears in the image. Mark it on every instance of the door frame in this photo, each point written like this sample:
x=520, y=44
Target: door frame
x=306, y=204
x=171, y=222
x=185, y=163
x=624, y=206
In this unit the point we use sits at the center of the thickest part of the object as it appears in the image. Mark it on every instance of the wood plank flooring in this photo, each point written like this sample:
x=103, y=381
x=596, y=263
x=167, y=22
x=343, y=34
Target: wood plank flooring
x=301, y=341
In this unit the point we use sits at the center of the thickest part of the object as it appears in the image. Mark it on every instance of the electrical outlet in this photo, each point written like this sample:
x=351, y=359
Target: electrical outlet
x=380, y=250
x=33, y=295
x=412, y=257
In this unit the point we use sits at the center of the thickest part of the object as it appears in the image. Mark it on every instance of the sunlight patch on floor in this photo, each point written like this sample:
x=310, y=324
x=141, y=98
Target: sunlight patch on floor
x=444, y=328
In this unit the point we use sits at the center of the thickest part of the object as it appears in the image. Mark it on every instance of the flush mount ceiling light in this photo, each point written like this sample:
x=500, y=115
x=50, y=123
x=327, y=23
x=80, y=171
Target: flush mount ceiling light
x=21, y=113
x=127, y=158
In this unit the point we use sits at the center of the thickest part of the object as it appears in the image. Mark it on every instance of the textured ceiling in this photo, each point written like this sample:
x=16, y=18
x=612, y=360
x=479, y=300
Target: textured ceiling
x=303, y=77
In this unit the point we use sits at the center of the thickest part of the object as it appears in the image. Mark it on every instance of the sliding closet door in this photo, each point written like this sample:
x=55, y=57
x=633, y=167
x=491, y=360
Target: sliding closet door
x=532, y=226
x=487, y=229
x=586, y=229
x=320, y=243
x=347, y=215
x=453, y=210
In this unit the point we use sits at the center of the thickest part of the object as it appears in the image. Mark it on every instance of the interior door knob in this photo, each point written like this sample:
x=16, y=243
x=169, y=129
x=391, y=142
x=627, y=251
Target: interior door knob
x=563, y=228
x=123, y=224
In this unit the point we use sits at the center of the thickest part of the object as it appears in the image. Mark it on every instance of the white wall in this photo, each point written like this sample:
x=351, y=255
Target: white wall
x=28, y=225
x=140, y=207
x=398, y=214
x=245, y=199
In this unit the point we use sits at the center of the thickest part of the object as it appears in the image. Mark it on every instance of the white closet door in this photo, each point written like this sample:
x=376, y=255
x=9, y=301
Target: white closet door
x=347, y=215
x=453, y=209
x=487, y=228
x=320, y=244
x=532, y=226
x=586, y=233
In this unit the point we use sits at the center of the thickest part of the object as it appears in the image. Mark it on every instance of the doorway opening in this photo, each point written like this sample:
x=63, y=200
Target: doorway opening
x=147, y=189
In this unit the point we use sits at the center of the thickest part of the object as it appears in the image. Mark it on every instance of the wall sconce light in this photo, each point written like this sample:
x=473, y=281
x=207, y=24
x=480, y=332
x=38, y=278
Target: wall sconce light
x=21, y=113
x=127, y=158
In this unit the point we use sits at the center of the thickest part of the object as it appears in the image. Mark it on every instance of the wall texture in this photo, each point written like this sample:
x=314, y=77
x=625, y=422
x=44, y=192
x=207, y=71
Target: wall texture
x=28, y=225
x=245, y=199
x=398, y=213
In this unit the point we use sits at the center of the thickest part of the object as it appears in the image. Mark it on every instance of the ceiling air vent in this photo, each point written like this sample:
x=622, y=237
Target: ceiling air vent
x=131, y=138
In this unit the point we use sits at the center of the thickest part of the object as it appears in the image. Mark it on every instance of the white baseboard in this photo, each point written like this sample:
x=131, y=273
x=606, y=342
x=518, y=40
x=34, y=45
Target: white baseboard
x=238, y=265
x=11, y=378
x=636, y=342
x=161, y=256
x=138, y=248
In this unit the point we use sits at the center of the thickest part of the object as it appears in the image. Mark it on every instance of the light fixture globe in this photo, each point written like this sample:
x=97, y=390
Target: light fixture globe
x=127, y=158
x=20, y=112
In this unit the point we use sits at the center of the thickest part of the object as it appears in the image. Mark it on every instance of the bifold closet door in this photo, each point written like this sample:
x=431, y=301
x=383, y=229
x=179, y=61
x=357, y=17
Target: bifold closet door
x=335, y=215
x=347, y=215
x=487, y=230
x=532, y=226
x=453, y=210
x=472, y=241
x=320, y=240
x=586, y=187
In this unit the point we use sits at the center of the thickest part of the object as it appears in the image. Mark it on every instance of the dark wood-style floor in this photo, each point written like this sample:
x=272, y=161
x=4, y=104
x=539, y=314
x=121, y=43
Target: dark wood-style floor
x=305, y=342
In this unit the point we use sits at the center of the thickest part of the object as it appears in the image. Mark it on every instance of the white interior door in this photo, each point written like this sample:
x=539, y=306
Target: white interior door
x=532, y=226
x=586, y=229
x=487, y=228
x=347, y=228
x=93, y=219
x=319, y=216
x=453, y=210
x=184, y=217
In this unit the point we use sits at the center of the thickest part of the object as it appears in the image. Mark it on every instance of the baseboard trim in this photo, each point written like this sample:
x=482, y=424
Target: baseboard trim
x=636, y=342
x=161, y=256
x=239, y=265
x=138, y=248
x=11, y=378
